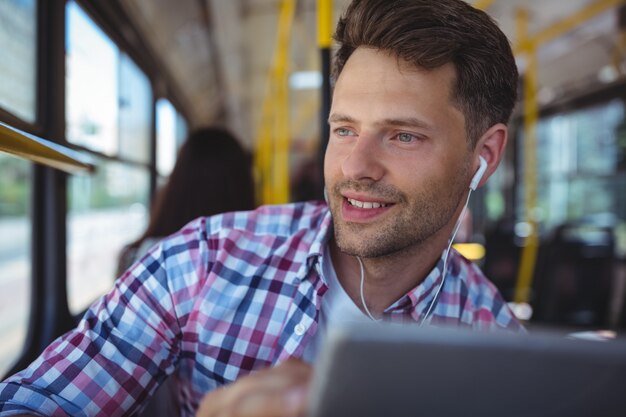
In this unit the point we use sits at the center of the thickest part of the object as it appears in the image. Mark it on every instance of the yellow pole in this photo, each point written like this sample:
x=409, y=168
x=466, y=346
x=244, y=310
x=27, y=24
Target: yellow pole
x=281, y=155
x=264, y=150
x=531, y=115
x=324, y=23
x=273, y=141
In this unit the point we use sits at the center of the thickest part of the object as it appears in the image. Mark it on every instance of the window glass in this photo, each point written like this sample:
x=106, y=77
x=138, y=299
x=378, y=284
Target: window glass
x=181, y=129
x=91, y=83
x=109, y=111
x=579, y=165
x=166, y=137
x=18, y=43
x=106, y=211
x=15, y=273
x=495, y=189
x=135, y=112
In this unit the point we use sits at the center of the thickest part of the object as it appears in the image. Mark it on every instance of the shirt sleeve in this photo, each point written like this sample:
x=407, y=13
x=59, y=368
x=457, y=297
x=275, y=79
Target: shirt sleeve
x=122, y=349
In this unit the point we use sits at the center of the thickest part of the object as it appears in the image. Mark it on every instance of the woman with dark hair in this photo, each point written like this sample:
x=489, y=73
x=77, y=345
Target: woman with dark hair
x=212, y=175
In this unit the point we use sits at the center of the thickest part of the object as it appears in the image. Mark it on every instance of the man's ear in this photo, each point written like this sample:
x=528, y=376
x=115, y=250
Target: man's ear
x=491, y=147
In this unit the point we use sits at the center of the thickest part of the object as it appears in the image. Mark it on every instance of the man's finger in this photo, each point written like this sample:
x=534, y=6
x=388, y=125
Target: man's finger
x=290, y=403
x=276, y=392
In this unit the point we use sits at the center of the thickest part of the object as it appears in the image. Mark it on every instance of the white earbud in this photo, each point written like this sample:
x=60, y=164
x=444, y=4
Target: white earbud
x=479, y=173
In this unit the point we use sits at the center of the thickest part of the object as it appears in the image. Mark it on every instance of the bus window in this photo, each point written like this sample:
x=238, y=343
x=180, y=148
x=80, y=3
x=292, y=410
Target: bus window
x=166, y=136
x=181, y=129
x=91, y=84
x=578, y=162
x=105, y=211
x=109, y=113
x=18, y=37
x=135, y=112
x=18, y=43
x=15, y=241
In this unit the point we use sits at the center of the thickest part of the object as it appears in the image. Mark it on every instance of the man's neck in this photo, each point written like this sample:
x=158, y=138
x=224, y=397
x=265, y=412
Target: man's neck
x=386, y=278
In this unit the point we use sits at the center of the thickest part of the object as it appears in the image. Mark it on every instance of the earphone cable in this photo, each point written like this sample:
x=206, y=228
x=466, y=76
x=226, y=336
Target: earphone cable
x=362, y=295
x=445, y=260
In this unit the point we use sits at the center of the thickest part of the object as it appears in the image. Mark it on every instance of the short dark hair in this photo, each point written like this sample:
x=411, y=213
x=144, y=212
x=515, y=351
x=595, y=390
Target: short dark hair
x=432, y=33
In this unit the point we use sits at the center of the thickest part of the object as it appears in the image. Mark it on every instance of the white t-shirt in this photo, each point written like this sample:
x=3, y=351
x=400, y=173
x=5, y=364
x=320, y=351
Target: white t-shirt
x=337, y=307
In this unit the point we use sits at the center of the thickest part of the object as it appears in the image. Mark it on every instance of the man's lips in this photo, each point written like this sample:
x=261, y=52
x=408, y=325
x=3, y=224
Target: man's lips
x=365, y=201
x=366, y=204
x=361, y=209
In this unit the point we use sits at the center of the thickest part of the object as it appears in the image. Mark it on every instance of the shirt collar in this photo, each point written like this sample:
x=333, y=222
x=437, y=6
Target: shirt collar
x=321, y=239
x=418, y=300
x=321, y=226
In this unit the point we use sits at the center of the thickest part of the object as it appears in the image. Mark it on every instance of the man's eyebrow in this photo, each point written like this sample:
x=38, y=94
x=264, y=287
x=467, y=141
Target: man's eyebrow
x=406, y=122
x=338, y=117
x=411, y=122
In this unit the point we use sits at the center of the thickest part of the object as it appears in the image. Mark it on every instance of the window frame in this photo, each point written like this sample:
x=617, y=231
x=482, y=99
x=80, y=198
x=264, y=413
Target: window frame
x=49, y=314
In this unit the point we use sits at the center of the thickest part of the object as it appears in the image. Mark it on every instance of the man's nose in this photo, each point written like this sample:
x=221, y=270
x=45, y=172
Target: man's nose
x=365, y=159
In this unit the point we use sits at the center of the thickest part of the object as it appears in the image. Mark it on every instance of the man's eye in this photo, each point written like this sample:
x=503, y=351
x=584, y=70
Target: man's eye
x=406, y=137
x=343, y=132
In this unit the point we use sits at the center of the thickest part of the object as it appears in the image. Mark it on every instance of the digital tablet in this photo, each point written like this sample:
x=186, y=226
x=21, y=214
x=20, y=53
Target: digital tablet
x=383, y=370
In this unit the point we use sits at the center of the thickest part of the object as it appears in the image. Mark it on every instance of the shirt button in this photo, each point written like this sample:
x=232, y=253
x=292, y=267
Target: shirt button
x=300, y=329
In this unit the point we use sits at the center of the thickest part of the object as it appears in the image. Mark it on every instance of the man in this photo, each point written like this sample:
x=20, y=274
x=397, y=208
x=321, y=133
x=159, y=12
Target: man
x=423, y=91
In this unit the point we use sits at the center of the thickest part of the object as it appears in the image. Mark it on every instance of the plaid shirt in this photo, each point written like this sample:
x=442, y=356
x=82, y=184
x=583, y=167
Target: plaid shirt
x=226, y=295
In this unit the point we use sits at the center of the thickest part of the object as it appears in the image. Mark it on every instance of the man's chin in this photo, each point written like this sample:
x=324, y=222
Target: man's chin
x=349, y=250
x=376, y=245
x=357, y=246
x=350, y=245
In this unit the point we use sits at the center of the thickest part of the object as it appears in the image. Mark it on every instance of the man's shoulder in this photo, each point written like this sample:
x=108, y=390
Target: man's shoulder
x=303, y=226
x=471, y=275
x=482, y=300
x=276, y=220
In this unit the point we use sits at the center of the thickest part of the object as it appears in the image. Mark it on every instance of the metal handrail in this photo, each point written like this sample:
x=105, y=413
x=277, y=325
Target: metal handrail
x=22, y=144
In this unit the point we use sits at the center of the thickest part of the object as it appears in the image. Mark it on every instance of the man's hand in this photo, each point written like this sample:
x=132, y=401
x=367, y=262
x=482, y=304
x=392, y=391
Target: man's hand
x=275, y=392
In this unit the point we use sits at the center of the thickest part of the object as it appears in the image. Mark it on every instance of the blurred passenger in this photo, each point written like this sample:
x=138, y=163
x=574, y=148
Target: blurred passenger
x=212, y=175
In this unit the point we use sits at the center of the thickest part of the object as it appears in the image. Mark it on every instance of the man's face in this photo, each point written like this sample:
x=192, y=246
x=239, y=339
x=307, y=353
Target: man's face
x=397, y=162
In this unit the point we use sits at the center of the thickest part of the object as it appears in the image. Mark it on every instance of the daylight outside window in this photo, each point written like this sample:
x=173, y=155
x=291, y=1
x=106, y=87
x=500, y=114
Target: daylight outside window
x=109, y=113
x=15, y=257
x=18, y=43
x=105, y=211
x=166, y=137
x=91, y=83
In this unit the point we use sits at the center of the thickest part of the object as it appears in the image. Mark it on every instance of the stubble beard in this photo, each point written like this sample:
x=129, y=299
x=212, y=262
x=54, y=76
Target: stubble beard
x=418, y=219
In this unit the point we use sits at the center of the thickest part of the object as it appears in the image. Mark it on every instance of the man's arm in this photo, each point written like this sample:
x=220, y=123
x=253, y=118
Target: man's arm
x=122, y=348
x=275, y=392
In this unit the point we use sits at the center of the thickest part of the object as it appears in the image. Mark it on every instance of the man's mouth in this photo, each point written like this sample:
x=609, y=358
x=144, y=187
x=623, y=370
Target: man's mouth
x=366, y=204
